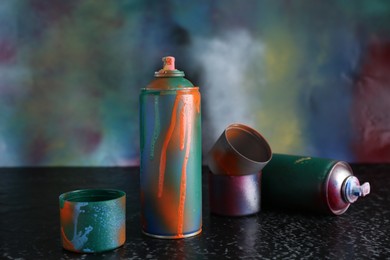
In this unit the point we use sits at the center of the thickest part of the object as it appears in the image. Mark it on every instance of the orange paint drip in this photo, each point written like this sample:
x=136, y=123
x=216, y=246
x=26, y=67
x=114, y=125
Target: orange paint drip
x=66, y=242
x=67, y=213
x=197, y=102
x=163, y=157
x=182, y=127
x=186, y=121
x=167, y=207
x=122, y=231
x=122, y=235
x=188, y=101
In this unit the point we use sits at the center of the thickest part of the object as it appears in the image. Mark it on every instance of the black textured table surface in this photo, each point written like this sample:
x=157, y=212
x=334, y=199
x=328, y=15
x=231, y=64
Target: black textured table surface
x=29, y=222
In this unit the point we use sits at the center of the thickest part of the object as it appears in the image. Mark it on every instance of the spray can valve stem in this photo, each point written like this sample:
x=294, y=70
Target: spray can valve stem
x=364, y=189
x=352, y=189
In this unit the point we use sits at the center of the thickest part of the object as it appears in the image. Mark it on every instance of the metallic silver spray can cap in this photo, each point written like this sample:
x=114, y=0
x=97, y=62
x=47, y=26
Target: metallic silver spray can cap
x=240, y=150
x=235, y=163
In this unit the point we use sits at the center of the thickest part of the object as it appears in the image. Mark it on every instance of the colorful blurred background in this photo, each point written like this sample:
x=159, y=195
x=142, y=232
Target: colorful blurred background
x=312, y=76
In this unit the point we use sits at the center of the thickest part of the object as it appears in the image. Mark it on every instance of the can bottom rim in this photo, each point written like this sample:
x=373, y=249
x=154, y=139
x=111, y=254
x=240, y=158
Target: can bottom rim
x=173, y=236
x=102, y=250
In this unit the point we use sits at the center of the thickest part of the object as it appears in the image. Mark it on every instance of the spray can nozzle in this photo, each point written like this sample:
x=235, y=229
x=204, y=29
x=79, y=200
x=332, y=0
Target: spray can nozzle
x=352, y=189
x=169, y=63
x=168, y=69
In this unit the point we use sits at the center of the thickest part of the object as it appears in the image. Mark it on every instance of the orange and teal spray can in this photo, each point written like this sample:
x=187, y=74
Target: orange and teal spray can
x=171, y=155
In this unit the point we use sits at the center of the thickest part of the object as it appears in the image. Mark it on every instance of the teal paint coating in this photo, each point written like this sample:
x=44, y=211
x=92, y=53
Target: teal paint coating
x=295, y=182
x=310, y=184
x=156, y=131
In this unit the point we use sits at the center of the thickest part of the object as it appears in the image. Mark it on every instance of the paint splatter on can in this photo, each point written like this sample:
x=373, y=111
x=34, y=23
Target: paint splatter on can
x=93, y=220
x=171, y=155
x=311, y=184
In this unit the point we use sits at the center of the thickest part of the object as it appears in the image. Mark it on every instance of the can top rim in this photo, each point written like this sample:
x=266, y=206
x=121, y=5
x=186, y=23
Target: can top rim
x=256, y=134
x=169, y=73
x=333, y=184
x=170, y=89
x=91, y=195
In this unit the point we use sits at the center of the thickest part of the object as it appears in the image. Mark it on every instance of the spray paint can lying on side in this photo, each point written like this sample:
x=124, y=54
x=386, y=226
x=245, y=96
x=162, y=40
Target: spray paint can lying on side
x=171, y=155
x=312, y=184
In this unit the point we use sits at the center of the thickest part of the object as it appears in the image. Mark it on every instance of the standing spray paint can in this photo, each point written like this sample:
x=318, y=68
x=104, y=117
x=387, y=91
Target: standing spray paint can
x=171, y=155
x=312, y=184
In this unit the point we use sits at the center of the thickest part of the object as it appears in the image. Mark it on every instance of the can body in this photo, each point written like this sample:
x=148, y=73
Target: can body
x=92, y=220
x=234, y=195
x=171, y=162
x=305, y=183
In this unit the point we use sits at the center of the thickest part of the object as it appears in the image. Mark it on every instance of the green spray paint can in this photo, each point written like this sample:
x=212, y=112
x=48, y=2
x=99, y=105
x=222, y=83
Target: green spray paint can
x=310, y=184
x=171, y=155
